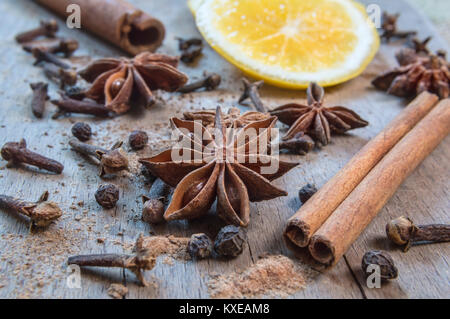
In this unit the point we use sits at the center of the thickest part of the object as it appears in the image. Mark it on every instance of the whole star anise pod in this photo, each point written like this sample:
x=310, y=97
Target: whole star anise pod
x=416, y=74
x=232, y=118
x=116, y=81
x=315, y=119
x=224, y=164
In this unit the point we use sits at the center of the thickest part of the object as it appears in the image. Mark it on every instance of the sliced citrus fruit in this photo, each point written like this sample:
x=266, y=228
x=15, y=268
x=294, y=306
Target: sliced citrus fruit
x=290, y=43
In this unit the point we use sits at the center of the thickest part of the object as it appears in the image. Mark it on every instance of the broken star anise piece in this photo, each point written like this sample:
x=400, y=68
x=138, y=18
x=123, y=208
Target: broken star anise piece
x=232, y=118
x=417, y=73
x=116, y=81
x=224, y=164
x=316, y=120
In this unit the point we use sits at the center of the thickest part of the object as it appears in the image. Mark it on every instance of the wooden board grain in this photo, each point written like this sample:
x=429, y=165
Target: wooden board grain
x=34, y=264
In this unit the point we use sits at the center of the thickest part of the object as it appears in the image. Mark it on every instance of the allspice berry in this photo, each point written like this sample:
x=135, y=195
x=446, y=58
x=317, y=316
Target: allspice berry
x=138, y=139
x=107, y=195
x=82, y=131
x=153, y=210
x=381, y=259
x=200, y=246
x=306, y=192
x=230, y=241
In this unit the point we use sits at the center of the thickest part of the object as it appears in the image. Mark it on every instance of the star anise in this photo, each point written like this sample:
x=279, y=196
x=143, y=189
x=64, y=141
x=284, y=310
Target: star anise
x=416, y=74
x=389, y=27
x=223, y=165
x=115, y=81
x=233, y=118
x=316, y=120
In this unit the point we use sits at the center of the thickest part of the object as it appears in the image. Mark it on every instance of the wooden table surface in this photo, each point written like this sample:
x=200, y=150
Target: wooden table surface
x=34, y=264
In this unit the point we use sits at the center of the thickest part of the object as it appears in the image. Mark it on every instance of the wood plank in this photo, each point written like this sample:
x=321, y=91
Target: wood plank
x=33, y=265
x=424, y=197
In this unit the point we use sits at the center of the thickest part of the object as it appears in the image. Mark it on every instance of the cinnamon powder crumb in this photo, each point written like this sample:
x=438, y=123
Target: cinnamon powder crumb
x=272, y=276
x=117, y=291
x=171, y=246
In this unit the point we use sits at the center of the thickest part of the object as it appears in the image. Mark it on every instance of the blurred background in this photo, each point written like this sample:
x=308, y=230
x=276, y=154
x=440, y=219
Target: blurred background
x=438, y=11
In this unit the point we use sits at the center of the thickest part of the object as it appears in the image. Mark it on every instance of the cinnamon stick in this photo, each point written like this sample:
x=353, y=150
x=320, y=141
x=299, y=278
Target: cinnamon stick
x=318, y=208
x=116, y=21
x=353, y=215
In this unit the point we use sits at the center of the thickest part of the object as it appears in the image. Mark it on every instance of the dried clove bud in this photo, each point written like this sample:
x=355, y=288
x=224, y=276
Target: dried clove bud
x=389, y=27
x=403, y=232
x=39, y=98
x=56, y=45
x=138, y=139
x=82, y=131
x=46, y=28
x=306, y=192
x=381, y=259
x=111, y=161
x=251, y=90
x=190, y=49
x=17, y=153
x=107, y=195
x=75, y=93
x=64, y=76
x=141, y=260
x=209, y=83
x=300, y=144
x=41, y=213
x=69, y=105
x=43, y=56
x=230, y=241
x=200, y=246
x=421, y=46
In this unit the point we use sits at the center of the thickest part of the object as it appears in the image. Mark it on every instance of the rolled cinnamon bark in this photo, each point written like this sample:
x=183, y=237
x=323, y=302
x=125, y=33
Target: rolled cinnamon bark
x=353, y=215
x=318, y=208
x=116, y=21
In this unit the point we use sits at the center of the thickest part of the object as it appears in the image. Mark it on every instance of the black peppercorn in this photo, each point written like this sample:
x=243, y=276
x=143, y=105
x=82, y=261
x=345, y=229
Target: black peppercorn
x=230, y=241
x=82, y=131
x=306, y=192
x=381, y=259
x=138, y=139
x=107, y=195
x=200, y=246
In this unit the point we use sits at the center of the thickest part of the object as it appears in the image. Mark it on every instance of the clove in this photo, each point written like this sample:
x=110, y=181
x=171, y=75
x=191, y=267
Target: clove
x=154, y=204
x=46, y=28
x=70, y=105
x=209, y=83
x=190, y=49
x=140, y=261
x=251, y=91
x=403, y=232
x=389, y=27
x=112, y=161
x=300, y=144
x=421, y=46
x=56, y=45
x=39, y=98
x=41, y=213
x=64, y=76
x=43, y=56
x=16, y=153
